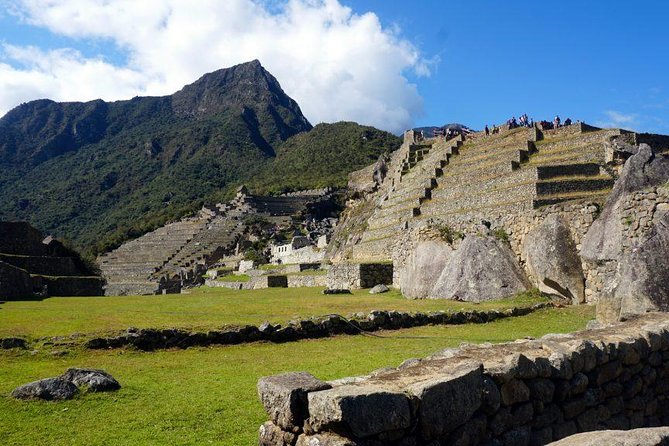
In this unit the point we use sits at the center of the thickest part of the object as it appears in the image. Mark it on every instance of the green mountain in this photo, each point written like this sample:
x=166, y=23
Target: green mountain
x=98, y=173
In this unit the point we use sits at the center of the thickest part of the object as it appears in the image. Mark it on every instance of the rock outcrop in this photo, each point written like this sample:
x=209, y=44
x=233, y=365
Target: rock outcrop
x=604, y=239
x=481, y=269
x=423, y=268
x=552, y=260
x=643, y=279
x=638, y=280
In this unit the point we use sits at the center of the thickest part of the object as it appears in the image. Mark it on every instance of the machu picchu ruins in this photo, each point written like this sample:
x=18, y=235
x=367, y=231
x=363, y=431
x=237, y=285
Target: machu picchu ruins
x=334, y=223
x=179, y=253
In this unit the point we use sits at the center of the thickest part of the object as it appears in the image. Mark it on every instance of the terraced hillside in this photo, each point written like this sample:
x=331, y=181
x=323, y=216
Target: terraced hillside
x=483, y=176
x=161, y=260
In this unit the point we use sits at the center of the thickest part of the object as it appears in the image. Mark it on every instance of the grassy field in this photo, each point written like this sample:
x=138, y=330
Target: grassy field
x=206, y=396
x=206, y=308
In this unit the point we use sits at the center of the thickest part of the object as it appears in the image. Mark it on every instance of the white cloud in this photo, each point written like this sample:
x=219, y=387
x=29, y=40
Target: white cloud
x=618, y=119
x=338, y=65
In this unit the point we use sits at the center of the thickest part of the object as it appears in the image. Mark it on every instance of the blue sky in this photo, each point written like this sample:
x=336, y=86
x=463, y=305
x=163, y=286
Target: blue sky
x=389, y=64
x=598, y=61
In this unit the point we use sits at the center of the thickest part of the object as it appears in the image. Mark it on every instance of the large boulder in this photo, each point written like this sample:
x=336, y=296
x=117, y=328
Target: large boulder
x=643, y=278
x=654, y=436
x=552, y=259
x=91, y=379
x=643, y=170
x=423, y=267
x=49, y=389
x=481, y=269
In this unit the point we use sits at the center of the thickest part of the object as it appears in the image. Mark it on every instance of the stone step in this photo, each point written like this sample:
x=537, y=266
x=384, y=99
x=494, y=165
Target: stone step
x=485, y=183
x=579, y=184
x=481, y=199
x=547, y=200
x=562, y=170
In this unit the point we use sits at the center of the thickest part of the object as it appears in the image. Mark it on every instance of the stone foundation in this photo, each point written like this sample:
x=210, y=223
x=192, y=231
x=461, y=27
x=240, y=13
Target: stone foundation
x=528, y=392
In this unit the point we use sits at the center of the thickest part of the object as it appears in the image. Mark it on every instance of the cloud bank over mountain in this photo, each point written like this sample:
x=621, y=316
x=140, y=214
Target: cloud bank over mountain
x=337, y=64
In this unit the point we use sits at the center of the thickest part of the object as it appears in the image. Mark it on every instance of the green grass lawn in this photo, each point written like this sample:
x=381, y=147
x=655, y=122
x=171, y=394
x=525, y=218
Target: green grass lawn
x=206, y=396
x=206, y=308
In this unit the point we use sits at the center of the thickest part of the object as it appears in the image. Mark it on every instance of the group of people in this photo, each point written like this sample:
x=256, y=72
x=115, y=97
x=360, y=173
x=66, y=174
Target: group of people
x=524, y=121
x=557, y=123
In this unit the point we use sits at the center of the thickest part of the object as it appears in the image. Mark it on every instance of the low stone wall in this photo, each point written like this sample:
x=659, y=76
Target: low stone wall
x=152, y=339
x=528, y=392
x=316, y=280
x=359, y=275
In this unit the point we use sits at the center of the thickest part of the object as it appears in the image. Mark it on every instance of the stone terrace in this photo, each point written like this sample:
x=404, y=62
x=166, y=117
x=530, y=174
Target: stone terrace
x=513, y=172
x=158, y=261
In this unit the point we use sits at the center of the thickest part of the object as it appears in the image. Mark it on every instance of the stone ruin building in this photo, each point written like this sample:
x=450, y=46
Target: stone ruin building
x=32, y=265
x=513, y=210
x=177, y=254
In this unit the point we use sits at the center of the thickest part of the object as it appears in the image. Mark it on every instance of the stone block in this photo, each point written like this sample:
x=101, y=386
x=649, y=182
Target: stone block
x=284, y=397
x=361, y=410
x=449, y=400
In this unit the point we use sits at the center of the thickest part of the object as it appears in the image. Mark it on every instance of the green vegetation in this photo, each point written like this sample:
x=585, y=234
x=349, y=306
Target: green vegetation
x=309, y=272
x=324, y=157
x=97, y=174
x=501, y=234
x=206, y=308
x=449, y=235
x=208, y=395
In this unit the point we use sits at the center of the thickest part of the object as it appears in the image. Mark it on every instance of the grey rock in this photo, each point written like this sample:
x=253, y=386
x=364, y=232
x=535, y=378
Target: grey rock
x=553, y=261
x=637, y=437
x=270, y=434
x=91, y=379
x=422, y=269
x=481, y=269
x=603, y=241
x=49, y=389
x=363, y=410
x=514, y=391
x=328, y=439
x=7, y=343
x=448, y=400
x=378, y=289
x=284, y=397
x=643, y=283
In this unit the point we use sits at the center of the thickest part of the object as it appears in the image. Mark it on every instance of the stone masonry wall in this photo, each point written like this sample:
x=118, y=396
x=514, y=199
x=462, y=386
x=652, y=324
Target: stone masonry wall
x=528, y=392
x=359, y=275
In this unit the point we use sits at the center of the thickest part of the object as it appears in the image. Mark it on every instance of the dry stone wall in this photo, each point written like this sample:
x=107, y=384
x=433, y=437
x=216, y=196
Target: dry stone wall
x=528, y=392
x=359, y=275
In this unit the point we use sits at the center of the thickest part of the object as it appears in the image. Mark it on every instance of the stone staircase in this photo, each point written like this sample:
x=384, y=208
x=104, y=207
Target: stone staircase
x=129, y=269
x=512, y=172
x=161, y=260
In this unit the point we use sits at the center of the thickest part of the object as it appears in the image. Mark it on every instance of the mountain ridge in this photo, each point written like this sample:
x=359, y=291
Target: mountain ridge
x=99, y=172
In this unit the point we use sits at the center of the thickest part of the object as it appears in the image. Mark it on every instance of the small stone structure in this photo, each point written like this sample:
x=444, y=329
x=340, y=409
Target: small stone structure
x=32, y=265
x=520, y=393
x=359, y=275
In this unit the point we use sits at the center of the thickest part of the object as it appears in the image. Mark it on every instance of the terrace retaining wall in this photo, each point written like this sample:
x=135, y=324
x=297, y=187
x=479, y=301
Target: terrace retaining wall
x=528, y=392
